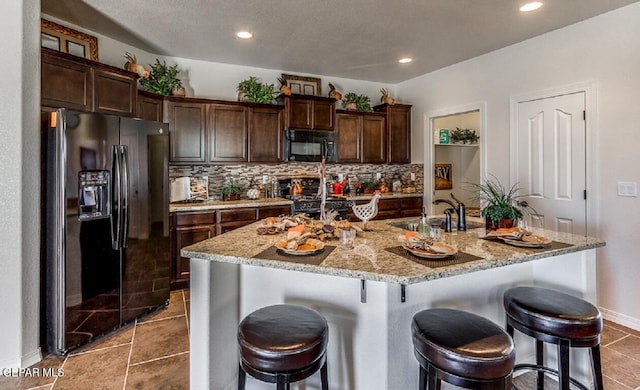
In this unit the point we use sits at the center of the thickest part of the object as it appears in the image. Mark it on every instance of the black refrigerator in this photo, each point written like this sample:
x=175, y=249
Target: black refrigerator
x=105, y=224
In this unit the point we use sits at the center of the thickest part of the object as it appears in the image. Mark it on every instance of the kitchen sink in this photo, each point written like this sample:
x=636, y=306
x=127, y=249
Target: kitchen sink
x=436, y=221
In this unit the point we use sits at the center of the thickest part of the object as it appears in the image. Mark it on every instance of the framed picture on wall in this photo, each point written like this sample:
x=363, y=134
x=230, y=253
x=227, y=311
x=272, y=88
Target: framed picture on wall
x=301, y=85
x=58, y=37
x=442, y=177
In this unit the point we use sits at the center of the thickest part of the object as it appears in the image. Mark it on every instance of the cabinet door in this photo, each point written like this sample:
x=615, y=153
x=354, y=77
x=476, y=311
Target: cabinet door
x=265, y=134
x=114, y=93
x=323, y=114
x=227, y=130
x=399, y=118
x=185, y=236
x=66, y=84
x=187, y=131
x=299, y=113
x=412, y=207
x=349, y=142
x=373, y=139
x=149, y=108
x=234, y=218
x=273, y=211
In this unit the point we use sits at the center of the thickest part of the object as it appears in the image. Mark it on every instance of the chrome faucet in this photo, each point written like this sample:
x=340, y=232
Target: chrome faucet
x=459, y=208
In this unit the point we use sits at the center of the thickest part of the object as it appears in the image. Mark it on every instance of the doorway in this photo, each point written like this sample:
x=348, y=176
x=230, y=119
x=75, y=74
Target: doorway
x=550, y=157
x=452, y=167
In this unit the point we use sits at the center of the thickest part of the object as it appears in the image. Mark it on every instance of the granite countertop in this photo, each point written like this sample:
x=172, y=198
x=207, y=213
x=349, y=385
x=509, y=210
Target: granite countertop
x=371, y=259
x=228, y=204
x=386, y=195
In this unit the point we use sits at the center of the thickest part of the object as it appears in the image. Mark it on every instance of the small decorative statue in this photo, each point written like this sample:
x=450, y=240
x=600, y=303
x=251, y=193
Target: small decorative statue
x=333, y=93
x=284, y=88
x=385, y=98
x=132, y=66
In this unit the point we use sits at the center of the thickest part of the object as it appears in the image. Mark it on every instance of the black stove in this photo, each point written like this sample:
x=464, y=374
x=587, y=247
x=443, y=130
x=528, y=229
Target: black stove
x=309, y=202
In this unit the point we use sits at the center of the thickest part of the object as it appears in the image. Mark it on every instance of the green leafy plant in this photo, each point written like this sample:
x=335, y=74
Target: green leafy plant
x=162, y=78
x=362, y=102
x=464, y=135
x=232, y=187
x=370, y=184
x=499, y=202
x=257, y=92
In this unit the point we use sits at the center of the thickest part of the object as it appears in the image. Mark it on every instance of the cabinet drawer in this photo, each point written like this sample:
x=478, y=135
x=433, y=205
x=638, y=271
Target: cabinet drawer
x=389, y=204
x=236, y=215
x=273, y=211
x=195, y=218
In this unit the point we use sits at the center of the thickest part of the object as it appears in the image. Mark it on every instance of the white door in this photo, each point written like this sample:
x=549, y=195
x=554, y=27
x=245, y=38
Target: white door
x=551, y=161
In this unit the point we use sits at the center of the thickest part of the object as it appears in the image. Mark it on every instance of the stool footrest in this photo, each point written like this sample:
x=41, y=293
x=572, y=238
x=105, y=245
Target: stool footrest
x=547, y=370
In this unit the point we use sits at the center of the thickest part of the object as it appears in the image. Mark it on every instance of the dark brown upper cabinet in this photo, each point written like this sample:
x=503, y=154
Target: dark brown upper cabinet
x=304, y=112
x=265, y=134
x=227, y=131
x=361, y=137
x=81, y=84
x=150, y=106
x=187, y=130
x=398, y=132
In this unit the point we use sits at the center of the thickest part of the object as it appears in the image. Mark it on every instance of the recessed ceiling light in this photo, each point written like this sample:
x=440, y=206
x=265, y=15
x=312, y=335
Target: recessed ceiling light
x=405, y=60
x=244, y=34
x=532, y=6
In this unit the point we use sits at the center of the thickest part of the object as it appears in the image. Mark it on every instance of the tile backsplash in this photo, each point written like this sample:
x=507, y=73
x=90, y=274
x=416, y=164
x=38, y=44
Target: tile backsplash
x=245, y=174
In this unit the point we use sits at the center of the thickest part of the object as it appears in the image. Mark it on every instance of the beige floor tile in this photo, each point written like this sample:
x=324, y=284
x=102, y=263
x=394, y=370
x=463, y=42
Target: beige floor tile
x=170, y=373
x=620, y=368
x=121, y=336
x=610, y=335
x=622, y=328
x=50, y=364
x=610, y=384
x=628, y=346
x=160, y=338
x=100, y=370
x=175, y=308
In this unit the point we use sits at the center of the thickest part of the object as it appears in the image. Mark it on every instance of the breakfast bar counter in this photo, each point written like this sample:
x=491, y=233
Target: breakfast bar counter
x=368, y=294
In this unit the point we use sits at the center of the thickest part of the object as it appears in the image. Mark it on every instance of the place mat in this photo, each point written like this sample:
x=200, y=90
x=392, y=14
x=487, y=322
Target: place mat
x=553, y=245
x=272, y=253
x=458, y=258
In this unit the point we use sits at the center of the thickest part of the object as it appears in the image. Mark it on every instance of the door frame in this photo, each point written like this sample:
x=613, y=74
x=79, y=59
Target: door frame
x=429, y=147
x=589, y=88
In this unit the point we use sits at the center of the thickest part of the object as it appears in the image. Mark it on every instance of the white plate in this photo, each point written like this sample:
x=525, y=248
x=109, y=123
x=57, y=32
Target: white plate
x=316, y=246
x=430, y=255
x=529, y=242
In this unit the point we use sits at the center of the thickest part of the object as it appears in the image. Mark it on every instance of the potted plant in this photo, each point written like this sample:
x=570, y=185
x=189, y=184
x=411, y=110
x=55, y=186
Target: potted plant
x=369, y=186
x=252, y=90
x=501, y=206
x=232, y=190
x=162, y=79
x=464, y=135
x=353, y=101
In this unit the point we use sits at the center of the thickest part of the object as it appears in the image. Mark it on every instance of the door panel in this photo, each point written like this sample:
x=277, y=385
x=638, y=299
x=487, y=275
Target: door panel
x=551, y=167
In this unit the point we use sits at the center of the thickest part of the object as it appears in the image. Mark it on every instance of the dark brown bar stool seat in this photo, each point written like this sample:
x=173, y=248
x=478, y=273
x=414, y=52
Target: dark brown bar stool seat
x=283, y=344
x=554, y=317
x=462, y=349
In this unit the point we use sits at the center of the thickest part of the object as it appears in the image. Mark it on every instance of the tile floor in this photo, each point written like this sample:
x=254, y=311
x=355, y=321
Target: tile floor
x=154, y=354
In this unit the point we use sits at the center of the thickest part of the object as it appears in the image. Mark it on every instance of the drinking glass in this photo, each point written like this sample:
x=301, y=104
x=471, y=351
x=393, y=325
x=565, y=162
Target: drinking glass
x=347, y=238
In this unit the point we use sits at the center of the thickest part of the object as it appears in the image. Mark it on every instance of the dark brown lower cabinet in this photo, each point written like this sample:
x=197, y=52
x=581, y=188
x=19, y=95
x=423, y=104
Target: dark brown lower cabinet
x=393, y=208
x=190, y=227
x=187, y=228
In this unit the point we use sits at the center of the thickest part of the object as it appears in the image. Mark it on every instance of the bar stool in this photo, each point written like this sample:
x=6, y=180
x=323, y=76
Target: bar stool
x=462, y=349
x=558, y=318
x=283, y=344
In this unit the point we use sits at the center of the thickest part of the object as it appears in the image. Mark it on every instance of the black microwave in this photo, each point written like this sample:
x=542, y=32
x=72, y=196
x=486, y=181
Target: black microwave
x=309, y=146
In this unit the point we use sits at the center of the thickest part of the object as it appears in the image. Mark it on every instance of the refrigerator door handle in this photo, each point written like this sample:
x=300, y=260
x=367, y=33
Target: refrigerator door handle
x=125, y=195
x=116, y=198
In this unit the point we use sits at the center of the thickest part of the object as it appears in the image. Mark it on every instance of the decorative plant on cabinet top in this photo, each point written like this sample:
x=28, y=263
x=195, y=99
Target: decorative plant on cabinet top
x=162, y=79
x=252, y=90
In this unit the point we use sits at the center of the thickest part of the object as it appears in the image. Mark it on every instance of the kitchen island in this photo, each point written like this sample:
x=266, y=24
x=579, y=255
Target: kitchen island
x=368, y=295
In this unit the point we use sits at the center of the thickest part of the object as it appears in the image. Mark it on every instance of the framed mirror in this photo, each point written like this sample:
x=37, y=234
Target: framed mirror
x=57, y=37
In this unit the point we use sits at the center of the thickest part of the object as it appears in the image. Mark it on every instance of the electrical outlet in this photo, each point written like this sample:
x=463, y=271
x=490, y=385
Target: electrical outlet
x=378, y=176
x=627, y=188
x=413, y=176
x=340, y=177
x=265, y=179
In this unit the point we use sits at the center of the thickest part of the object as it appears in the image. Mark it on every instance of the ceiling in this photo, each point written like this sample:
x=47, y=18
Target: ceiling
x=356, y=39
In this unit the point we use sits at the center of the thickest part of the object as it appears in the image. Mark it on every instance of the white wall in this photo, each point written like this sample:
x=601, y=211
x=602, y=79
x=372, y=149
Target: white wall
x=19, y=192
x=604, y=49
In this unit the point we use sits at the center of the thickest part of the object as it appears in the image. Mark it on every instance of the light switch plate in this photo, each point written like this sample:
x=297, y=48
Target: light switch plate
x=627, y=188
x=413, y=176
x=378, y=176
